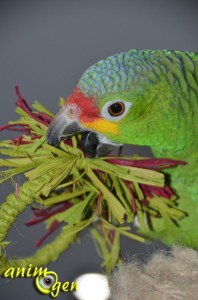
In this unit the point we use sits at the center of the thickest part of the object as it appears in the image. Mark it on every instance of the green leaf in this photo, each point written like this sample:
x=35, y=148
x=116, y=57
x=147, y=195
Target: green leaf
x=75, y=228
x=110, y=255
x=124, y=231
x=39, y=107
x=65, y=197
x=74, y=214
x=129, y=173
x=115, y=206
x=58, y=152
x=52, y=165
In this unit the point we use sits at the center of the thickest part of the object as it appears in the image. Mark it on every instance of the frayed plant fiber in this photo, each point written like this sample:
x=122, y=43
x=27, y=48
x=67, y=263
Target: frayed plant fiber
x=69, y=190
x=167, y=275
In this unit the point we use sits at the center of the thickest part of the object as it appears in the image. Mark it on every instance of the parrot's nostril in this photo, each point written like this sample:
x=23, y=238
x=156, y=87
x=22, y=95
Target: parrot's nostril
x=72, y=111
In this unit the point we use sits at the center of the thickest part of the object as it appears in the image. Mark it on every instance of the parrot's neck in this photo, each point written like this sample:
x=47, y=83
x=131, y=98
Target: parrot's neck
x=188, y=154
x=183, y=178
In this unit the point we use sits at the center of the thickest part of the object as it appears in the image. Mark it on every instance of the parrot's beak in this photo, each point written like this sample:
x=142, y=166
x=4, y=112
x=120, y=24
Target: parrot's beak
x=62, y=128
x=95, y=144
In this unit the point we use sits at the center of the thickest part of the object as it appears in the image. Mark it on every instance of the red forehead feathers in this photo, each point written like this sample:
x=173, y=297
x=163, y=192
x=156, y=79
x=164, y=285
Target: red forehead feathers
x=88, y=106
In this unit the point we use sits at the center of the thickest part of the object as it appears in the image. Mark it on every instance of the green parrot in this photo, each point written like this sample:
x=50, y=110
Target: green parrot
x=142, y=97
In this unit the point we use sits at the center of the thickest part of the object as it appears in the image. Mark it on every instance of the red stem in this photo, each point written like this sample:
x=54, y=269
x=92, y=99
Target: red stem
x=146, y=163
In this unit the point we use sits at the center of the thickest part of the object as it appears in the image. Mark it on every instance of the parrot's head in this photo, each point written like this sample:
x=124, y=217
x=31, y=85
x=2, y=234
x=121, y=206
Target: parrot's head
x=114, y=103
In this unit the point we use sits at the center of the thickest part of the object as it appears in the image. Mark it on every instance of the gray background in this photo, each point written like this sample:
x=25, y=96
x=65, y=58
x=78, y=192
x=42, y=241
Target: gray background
x=45, y=46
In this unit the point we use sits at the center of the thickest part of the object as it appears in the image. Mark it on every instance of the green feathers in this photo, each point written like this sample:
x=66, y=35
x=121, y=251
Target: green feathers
x=162, y=87
x=145, y=98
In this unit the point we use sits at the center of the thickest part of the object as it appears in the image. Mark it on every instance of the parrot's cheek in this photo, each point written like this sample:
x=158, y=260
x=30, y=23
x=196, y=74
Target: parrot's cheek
x=101, y=125
x=62, y=128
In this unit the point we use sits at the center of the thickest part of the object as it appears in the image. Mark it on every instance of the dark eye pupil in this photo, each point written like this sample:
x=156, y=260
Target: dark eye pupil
x=47, y=281
x=116, y=109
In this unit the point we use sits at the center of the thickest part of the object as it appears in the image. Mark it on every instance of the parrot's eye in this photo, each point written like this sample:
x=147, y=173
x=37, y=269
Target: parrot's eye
x=115, y=110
